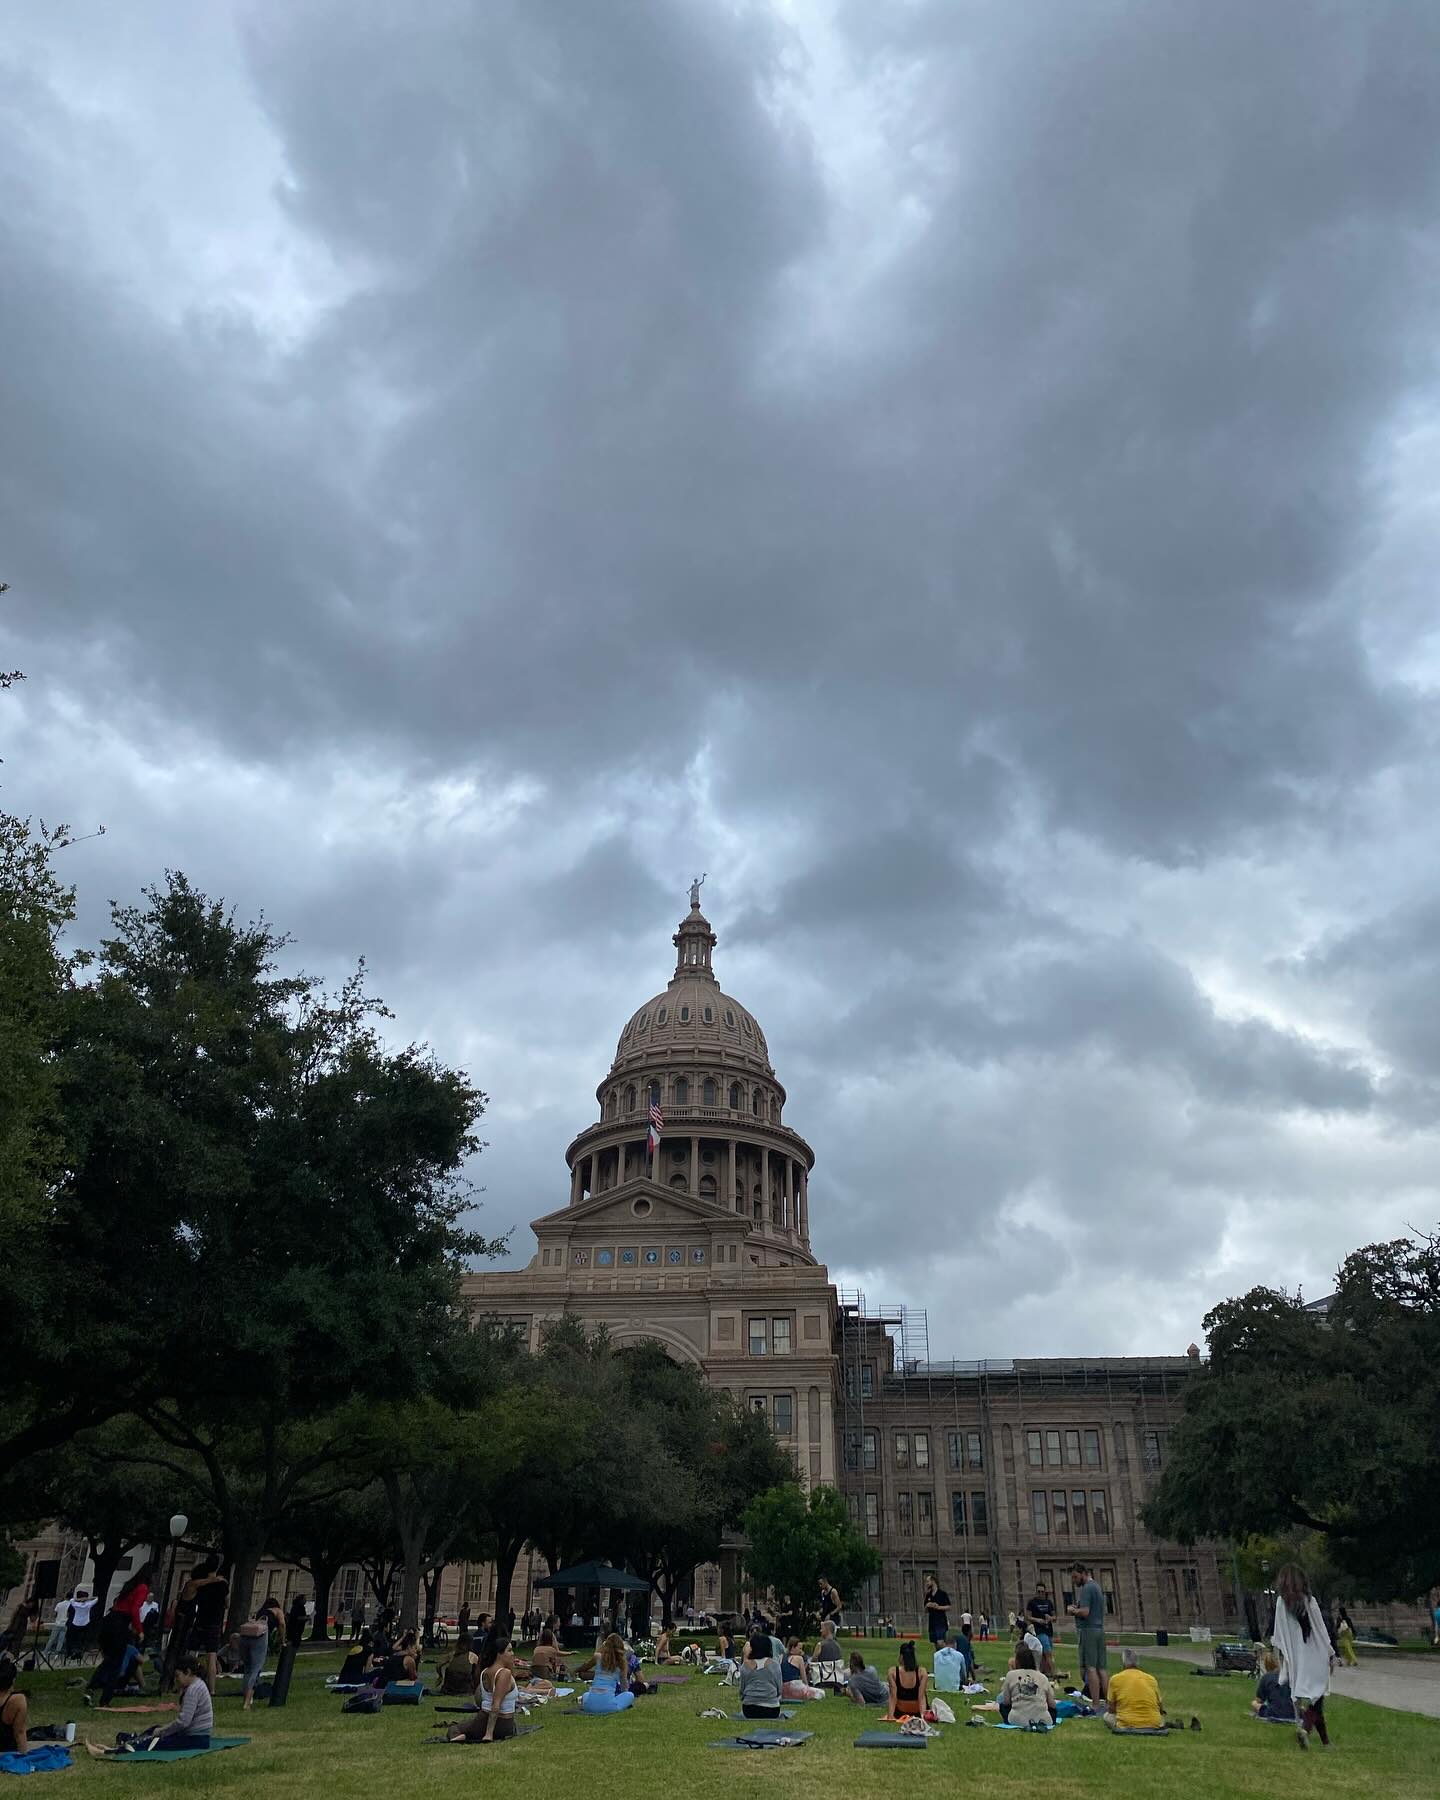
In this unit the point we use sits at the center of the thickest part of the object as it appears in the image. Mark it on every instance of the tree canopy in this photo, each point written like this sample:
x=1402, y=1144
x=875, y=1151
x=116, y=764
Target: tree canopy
x=1325, y=1422
x=794, y=1541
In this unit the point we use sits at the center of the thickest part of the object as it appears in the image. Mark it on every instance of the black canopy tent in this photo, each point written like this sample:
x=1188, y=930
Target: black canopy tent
x=593, y=1575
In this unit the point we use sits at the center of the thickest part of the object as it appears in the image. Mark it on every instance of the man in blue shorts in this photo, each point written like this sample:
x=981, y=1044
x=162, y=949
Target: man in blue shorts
x=1088, y=1611
x=1040, y=1612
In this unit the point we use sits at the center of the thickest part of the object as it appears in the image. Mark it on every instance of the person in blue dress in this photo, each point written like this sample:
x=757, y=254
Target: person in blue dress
x=609, y=1691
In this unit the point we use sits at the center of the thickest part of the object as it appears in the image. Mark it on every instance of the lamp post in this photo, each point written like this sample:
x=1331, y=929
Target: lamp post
x=179, y=1524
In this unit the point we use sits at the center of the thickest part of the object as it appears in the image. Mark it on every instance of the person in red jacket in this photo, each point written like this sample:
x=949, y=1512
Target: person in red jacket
x=132, y=1597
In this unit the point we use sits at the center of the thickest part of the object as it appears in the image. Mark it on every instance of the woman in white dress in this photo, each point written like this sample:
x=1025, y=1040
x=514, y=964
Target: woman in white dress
x=1303, y=1646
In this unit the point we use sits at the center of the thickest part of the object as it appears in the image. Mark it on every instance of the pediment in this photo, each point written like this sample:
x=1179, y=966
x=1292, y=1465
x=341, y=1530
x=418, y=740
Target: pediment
x=665, y=1206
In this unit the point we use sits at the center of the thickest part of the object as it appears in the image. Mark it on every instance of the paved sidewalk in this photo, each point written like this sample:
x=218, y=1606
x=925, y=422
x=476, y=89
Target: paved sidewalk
x=1409, y=1684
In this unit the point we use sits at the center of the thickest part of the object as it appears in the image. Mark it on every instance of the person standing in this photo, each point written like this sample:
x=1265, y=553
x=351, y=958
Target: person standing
x=1303, y=1646
x=200, y=1611
x=1040, y=1611
x=1345, y=1639
x=295, y=1621
x=132, y=1598
x=830, y=1603
x=77, y=1630
x=1088, y=1611
x=462, y=1620
x=937, y=1611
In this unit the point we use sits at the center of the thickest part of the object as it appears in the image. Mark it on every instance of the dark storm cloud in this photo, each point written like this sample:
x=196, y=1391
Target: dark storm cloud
x=925, y=465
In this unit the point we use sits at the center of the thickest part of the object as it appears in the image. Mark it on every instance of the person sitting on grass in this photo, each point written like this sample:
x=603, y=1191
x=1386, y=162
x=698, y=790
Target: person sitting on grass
x=190, y=1728
x=760, y=1679
x=1132, y=1702
x=497, y=1692
x=663, y=1652
x=795, y=1674
x=965, y=1645
x=457, y=1672
x=1027, y=1695
x=1272, y=1700
x=828, y=1652
x=547, y=1659
x=864, y=1686
x=609, y=1692
x=17, y=1734
x=907, y=1686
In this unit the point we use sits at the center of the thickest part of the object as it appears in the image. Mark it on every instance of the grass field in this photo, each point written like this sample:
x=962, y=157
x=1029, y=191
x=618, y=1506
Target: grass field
x=659, y=1748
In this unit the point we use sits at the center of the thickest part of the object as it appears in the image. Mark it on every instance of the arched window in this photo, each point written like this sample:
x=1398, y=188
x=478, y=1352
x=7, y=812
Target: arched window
x=734, y=1096
x=682, y=1091
x=678, y=1181
x=654, y=1093
x=708, y=1092
x=662, y=1015
x=684, y=1015
x=707, y=1187
x=709, y=1015
x=774, y=1110
x=630, y=1098
x=610, y=1107
x=729, y=1018
x=755, y=1103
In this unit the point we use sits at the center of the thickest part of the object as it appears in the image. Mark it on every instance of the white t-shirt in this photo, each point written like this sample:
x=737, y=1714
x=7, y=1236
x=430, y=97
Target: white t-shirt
x=1035, y=1647
x=80, y=1611
x=1029, y=1695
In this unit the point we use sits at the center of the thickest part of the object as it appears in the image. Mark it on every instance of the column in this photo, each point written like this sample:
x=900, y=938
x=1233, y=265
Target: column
x=575, y=1188
x=787, y=1197
x=730, y=1191
x=765, y=1188
x=694, y=1166
x=804, y=1204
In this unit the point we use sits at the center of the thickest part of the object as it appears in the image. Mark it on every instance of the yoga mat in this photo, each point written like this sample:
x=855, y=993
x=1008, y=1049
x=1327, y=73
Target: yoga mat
x=889, y=1740
x=668, y=1680
x=762, y=1740
x=165, y=1706
x=216, y=1743
x=782, y=1714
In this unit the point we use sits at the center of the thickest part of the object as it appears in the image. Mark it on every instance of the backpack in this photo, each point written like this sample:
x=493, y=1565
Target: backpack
x=370, y=1702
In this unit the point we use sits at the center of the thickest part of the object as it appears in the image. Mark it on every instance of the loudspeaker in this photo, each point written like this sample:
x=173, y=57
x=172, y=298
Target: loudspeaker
x=47, y=1580
x=284, y=1669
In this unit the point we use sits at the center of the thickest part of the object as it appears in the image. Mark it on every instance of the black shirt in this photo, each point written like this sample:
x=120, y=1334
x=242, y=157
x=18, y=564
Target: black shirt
x=1042, y=1614
x=210, y=1603
x=939, y=1621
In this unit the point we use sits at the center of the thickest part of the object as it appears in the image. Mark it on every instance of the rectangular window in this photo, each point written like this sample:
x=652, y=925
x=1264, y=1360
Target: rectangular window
x=757, y=1403
x=957, y=1513
x=1172, y=1595
x=922, y=1449
x=902, y=1449
x=870, y=1450
x=925, y=1514
x=783, y=1412
x=780, y=1336
x=975, y=1448
x=1192, y=1583
x=906, y=1506
x=1079, y=1515
x=872, y=1515
x=853, y=1502
x=1039, y=1513
x=953, y=1441
x=852, y=1450
x=979, y=1517
x=907, y=1591
x=867, y=1380
x=1034, y=1454
x=1092, y=1449
x=1072, y=1449
x=1152, y=1450
x=1100, y=1512
x=758, y=1341
x=1060, y=1513
x=1052, y=1449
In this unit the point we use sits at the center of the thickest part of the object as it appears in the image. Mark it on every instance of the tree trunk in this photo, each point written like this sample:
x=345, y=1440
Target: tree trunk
x=507, y=1554
x=244, y=1563
x=410, y=1587
x=323, y=1575
x=106, y=1558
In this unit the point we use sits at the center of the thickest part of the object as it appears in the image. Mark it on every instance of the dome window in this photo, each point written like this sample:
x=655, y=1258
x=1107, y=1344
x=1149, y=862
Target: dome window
x=677, y=1181
x=630, y=1098
x=644, y=1020
x=709, y=1015
x=709, y=1092
x=682, y=1091
x=654, y=1093
x=774, y=1111
x=755, y=1103
x=729, y=1018
x=745, y=1023
x=707, y=1156
x=734, y=1096
x=662, y=1015
x=684, y=1015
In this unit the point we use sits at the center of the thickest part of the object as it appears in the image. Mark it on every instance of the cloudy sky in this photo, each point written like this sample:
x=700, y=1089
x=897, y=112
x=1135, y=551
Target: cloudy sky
x=962, y=474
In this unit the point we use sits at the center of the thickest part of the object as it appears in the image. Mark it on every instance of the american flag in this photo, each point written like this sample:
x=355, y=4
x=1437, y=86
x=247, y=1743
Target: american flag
x=657, y=1125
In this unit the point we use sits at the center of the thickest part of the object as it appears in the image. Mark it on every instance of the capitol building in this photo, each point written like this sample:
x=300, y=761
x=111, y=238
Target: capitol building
x=991, y=1475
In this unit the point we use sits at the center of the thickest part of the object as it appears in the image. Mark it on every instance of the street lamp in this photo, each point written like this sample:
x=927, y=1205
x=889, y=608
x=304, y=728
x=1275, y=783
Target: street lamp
x=179, y=1524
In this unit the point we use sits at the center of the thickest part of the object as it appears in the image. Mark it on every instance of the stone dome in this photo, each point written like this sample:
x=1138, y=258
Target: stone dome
x=693, y=1014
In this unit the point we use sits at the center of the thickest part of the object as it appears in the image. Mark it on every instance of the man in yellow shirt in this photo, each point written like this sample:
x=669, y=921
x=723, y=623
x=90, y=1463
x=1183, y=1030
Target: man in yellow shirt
x=1133, y=1701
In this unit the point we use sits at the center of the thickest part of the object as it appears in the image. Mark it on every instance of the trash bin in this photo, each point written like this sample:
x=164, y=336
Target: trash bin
x=1162, y=1637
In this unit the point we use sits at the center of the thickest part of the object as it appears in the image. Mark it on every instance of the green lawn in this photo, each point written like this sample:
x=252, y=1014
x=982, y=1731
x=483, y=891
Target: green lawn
x=658, y=1748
